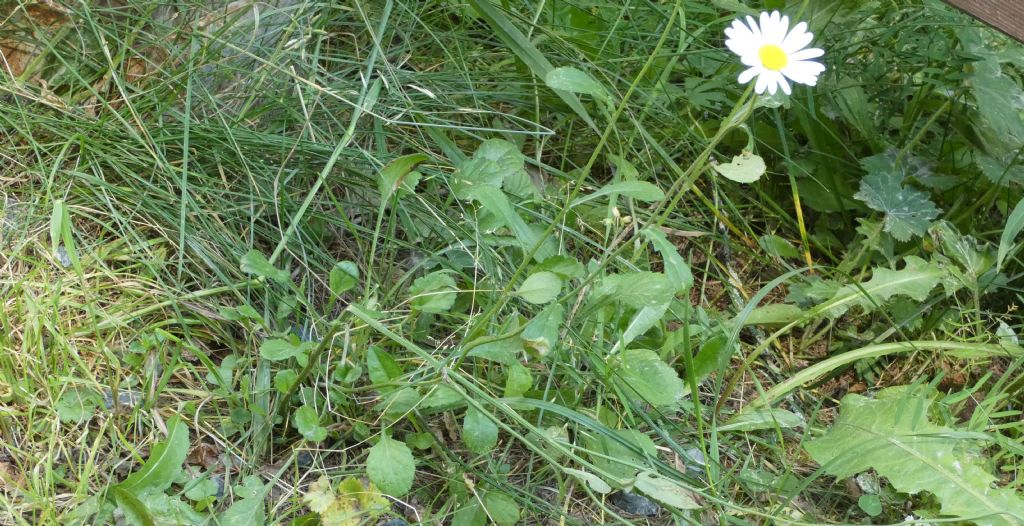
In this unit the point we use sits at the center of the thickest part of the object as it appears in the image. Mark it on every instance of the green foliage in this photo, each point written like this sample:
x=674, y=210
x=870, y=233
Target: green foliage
x=391, y=467
x=256, y=264
x=915, y=280
x=647, y=378
x=433, y=293
x=540, y=287
x=908, y=212
x=894, y=435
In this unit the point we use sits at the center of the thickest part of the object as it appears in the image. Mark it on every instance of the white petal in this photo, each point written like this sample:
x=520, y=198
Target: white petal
x=805, y=54
x=751, y=59
x=762, y=83
x=773, y=82
x=740, y=39
x=797, y=39
x=748, y=74
x=766, y=24
x=785, y=85
x=754, y=28
x=803, y=72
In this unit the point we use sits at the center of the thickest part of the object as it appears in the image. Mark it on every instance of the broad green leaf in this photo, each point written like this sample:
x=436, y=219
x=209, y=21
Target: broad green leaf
x=565, y=266
x=916, y=281
x=433, y=293
x=774, y=314
x=470, y=514
x=675, y=268
x=908, y=212
x=285, y=379
x=496, y=203
x=501, y=508
x=134, y=510
x=666, y=491
x=519, y=380
x=278, y=349
x=496, y=163
x=245, y=512
x=870, y=504
x=591, y=480
x=648, y=378
x=479, y=432
x=256, y=264
x=77, y=405
x=503, y=351
x=198, y=490
x=713, y=356
x=644, y=319
x=639, y=190
x=343, y=277
x=442, y=398
x=613, y=457
x=391, y=467
x=637, y=289
x=381, y=366
x=307, y=421
x=744, y=168
x=165, y=510
x=165, y=461
x=393, y=175
x=541, y=332
x=763, y=419
x=541, y=287
x=574, y=80
x=778, y=246
x=1014, y=224
x=892, y=434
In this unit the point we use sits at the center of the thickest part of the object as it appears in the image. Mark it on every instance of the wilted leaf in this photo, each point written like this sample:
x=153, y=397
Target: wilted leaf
x=744, y=168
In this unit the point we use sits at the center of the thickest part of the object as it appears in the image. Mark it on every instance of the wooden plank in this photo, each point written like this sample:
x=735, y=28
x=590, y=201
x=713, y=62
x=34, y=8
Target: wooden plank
x=1004, y=15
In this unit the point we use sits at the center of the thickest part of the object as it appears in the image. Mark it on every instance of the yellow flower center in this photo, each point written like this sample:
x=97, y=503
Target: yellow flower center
x=773, y=57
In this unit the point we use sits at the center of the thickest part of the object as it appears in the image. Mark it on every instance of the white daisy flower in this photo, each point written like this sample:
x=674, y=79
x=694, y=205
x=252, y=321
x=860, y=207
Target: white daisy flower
x=773, y=53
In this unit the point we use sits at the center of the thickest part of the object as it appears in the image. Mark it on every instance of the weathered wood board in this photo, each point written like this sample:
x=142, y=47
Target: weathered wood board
x=1004, y=15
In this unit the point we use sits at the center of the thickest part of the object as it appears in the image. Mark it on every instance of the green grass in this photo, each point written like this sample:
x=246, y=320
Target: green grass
x=141, y=164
